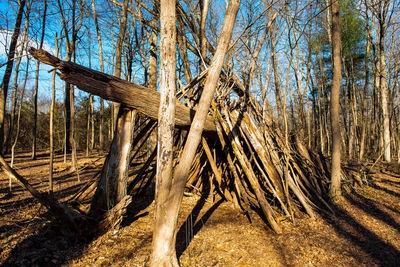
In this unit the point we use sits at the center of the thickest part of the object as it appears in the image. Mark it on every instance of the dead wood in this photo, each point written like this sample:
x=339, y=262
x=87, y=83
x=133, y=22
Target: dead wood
x=141, y=98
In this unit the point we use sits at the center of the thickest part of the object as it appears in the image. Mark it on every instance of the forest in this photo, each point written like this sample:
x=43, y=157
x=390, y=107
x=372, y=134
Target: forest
x=199, y=133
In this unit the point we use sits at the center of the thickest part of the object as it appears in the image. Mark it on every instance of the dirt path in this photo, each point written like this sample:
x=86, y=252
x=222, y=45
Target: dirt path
x=363, y=232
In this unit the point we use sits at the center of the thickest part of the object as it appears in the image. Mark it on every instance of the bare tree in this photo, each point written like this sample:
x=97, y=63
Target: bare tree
x=7, y=73
x=14, y=97
x=335, y=190
x=383, y=11
x=101, y=136
x=163, y=253
x=51, y=128
x=34, y=129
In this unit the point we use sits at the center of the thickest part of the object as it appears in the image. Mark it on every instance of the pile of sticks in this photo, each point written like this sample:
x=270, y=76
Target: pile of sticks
x=243, y=156
x=251, y=164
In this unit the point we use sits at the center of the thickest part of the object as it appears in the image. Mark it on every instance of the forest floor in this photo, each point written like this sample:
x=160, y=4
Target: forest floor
x=363, y=231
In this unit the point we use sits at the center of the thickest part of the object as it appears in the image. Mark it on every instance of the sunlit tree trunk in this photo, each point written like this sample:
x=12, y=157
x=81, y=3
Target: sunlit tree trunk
x=163, y=253
x=51, y=128
x=335, y=190
x=384, y=101
x=175, y=194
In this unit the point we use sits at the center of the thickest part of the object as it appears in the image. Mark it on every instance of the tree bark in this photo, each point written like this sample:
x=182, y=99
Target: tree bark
x=163, y=253
x=8, y=71
x=111, y=188
x=335, y=190
x=384, y=102
x=175, y=194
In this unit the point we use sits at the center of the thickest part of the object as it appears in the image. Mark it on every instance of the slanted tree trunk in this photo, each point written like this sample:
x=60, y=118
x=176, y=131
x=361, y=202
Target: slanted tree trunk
x=8, y=71
x=35, y=96
x=163, y=253
x=175, y=194
x=204, y=4
x=335, y=190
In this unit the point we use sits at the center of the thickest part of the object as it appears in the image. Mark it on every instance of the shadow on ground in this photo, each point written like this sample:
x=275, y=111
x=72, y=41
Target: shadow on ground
x=380, y=251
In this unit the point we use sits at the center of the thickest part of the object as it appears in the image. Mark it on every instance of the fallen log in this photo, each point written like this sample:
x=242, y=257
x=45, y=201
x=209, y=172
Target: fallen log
x=108, y=87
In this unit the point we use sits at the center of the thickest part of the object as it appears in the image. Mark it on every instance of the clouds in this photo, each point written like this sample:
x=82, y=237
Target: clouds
x=5, y=39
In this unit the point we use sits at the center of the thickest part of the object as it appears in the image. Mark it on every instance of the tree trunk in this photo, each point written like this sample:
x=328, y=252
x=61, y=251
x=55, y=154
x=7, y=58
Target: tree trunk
x=88, y=127
x=15, y=83
x=276, y=77
x=384, y=103
x=101, y=135
x=51, y=128
x=175, y=194
x=152, y=141
x=364, y=95
x=335, y=190
x=111, y=188
x=34, y=130
x=8, y=71
x=91, y=123
x=19, y=119
x=163, y=253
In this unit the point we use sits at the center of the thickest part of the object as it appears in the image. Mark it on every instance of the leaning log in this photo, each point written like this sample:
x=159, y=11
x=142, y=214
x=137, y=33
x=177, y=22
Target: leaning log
x=141, y=98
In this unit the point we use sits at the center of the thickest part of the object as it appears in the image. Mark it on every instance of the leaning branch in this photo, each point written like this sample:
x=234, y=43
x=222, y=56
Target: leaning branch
x=60, y=211
x=108, y=87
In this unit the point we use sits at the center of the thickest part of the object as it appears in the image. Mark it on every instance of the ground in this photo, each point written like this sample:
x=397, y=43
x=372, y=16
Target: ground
x=362, y=231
